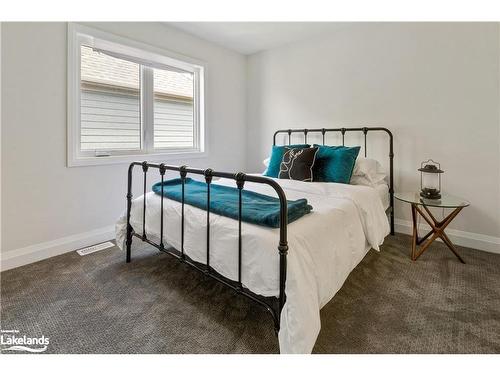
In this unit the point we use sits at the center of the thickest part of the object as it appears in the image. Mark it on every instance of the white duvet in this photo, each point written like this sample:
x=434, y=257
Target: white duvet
x=324, y=247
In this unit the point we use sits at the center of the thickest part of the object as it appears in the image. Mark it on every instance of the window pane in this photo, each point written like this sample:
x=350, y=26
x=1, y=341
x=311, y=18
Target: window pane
x=110, y=102
x=173, y=109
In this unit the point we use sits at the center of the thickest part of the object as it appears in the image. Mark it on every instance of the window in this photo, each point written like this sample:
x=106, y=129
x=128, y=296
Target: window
x=110, y=103
x=173, y=109
x=127, y=99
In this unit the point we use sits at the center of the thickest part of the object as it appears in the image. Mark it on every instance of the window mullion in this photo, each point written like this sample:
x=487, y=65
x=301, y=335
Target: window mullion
x=196, y=112
x=147, y=108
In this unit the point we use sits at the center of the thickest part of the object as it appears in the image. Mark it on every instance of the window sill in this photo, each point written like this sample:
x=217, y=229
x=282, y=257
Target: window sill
x=179, y=157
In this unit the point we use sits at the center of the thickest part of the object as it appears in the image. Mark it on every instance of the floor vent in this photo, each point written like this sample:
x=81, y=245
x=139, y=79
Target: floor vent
x=94, y=248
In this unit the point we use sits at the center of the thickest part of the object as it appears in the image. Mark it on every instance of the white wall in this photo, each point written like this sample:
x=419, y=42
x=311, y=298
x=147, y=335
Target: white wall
x=47, y=206
x=435, y=85
x=0, y=139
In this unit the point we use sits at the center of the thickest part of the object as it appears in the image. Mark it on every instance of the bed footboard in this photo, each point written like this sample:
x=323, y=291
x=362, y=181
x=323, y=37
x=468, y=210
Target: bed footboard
x=274, y=305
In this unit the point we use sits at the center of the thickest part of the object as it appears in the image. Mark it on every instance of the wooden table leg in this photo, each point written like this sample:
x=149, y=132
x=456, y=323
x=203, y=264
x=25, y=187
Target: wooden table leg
x=415, y=231
x=437, y=230
x=450, y=245
x=442, y=225
x=422, y=239
x=426, y=244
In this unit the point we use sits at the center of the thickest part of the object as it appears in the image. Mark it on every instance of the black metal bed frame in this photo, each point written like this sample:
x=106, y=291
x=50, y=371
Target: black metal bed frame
x=274, y=305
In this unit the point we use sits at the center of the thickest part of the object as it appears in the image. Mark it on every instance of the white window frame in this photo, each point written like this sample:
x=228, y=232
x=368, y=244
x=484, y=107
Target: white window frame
x=80, y=34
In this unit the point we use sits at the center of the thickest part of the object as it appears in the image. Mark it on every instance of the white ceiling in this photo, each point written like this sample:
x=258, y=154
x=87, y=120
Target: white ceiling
x=251, y=37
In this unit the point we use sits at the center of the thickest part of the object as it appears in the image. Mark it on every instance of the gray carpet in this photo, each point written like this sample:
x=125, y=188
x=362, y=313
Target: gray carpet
x=389, y=304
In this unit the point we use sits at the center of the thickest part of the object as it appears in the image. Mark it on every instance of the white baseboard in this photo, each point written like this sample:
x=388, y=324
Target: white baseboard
x=458, y=237
x=34, y=253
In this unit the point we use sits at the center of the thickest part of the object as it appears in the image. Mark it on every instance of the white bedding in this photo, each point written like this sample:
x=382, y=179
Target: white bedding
x=383, y=193
x=324, y=247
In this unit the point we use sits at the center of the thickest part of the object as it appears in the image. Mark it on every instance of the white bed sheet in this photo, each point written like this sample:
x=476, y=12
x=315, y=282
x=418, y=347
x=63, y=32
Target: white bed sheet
x=324, y=247
x=383, y=193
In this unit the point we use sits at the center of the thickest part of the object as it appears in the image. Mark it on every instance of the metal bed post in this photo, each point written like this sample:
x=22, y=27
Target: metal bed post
x=208, y=180
x=240, y=182
x=283, y=250
x=162, y=174
x=183, y=173
x=128, y=241
x=391, y=177
x=145, y=170
x=365, y=131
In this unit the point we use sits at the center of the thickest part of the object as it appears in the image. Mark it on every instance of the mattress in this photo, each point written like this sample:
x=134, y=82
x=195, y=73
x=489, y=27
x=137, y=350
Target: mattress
x=324, y=246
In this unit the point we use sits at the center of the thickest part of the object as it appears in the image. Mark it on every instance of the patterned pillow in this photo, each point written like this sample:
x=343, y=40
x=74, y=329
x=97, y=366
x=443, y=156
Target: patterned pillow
x=273, y=167
x=297, y=164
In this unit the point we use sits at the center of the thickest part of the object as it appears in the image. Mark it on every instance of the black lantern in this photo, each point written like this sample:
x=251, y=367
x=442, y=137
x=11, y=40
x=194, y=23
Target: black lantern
x=430, y=179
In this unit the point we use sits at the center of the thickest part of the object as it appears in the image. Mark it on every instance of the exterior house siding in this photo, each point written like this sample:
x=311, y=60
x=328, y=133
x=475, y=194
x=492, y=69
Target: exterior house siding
x=111, y=120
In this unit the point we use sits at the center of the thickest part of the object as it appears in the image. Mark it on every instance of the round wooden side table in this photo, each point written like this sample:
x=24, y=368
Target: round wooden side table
x=437, y=227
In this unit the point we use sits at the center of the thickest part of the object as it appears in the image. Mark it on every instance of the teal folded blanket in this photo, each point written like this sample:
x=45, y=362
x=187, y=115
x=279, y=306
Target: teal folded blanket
x=257, y=208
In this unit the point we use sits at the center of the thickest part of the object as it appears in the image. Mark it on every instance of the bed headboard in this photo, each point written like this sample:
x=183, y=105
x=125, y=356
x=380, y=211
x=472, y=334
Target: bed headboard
x=365, y=131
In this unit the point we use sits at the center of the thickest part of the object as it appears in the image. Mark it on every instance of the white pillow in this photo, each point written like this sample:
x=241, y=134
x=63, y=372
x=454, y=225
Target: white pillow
x=368, y=172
